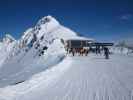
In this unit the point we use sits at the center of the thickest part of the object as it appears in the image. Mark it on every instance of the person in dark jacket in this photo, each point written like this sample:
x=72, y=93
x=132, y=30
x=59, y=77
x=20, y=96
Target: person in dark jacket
x=73, y=51
x=106, y=52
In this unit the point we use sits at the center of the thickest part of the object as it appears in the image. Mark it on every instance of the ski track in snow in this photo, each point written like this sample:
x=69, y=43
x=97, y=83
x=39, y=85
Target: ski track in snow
x=86, y=78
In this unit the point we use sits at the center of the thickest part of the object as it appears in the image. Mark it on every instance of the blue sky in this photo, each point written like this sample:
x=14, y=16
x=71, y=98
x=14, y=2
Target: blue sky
x=100, y=19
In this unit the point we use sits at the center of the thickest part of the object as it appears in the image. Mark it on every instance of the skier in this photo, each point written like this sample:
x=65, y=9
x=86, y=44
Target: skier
x=73, y=51
x=106, y=52
x=98, y=50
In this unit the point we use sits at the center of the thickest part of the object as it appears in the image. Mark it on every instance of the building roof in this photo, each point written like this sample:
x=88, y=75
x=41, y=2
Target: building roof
x=80, y=38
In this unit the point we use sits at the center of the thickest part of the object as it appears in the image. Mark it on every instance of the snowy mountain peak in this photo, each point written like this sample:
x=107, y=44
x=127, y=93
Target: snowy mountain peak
x=48, y=19
x=45, y=31
x=8, y=39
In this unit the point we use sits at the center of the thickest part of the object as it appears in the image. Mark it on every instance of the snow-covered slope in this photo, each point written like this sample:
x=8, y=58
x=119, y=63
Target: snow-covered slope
x=46, y=30
x=123, y=47
x=121, y=50
x=78, y=78
x=39, y=48
x=6, y=47
x=8, y=39
x=42, y=34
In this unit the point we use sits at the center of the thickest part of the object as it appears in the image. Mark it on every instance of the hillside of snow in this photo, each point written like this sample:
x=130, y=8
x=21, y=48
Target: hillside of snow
x=123, y=47
x=78, y=78
x=6, y=47
x=39, y=48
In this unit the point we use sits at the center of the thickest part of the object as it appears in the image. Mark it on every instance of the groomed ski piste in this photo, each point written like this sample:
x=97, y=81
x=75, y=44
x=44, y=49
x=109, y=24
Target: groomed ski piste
x=57, y=76
x=78, y=78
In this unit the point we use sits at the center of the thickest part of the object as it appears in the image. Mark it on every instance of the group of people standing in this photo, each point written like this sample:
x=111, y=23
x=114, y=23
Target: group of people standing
x=79, y=51
x=85, y=51
x=105, y=50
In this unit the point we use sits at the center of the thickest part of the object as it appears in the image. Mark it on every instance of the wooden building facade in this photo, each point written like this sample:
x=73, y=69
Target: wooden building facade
x=85, y=43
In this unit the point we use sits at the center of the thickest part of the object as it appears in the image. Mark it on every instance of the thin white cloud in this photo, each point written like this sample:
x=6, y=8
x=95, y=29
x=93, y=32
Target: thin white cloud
x=126, y=17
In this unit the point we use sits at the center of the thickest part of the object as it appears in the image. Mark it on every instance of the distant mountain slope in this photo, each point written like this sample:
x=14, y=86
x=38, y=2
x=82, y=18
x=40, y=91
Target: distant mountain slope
x=123, y=47
x=6, y=47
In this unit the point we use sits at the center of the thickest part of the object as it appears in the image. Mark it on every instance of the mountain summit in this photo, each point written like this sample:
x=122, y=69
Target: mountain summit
x=47, y=29
x=32, y=51
x=42, y=34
